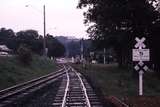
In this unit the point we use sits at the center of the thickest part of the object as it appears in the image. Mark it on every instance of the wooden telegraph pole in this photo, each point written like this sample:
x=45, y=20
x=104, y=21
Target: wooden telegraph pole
x=44, y=26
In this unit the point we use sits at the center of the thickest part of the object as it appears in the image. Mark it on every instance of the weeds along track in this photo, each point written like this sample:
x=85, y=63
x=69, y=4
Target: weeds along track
x=12, y=94
x=75, y=91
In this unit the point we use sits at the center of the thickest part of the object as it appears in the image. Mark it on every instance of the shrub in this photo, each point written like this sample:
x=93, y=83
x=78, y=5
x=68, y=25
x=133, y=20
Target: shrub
x=24, y=54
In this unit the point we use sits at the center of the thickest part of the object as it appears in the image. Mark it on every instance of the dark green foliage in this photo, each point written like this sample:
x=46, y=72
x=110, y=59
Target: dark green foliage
x=119, y=81
x=24, y=54
x=32, y=40
x=6, y=35
x=118, y=22
x=55, y=48
x=13, y=72
x=74, y=48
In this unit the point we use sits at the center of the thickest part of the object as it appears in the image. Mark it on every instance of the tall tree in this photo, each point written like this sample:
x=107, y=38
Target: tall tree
x=55, y=48
x=118, y=22
x=32, y=39
x=7, y=37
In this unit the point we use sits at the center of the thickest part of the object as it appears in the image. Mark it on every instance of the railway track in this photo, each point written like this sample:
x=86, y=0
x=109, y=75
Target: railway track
x=75, y=91
x=12, y=94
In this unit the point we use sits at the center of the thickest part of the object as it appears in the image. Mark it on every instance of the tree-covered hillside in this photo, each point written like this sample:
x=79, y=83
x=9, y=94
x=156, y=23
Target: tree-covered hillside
x=31, y=40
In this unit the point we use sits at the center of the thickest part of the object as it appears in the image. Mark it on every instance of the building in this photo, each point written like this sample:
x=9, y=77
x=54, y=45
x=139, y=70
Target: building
x=4, y=50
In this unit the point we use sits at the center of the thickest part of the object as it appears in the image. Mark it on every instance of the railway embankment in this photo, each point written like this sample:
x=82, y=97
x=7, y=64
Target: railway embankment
x=13, y=72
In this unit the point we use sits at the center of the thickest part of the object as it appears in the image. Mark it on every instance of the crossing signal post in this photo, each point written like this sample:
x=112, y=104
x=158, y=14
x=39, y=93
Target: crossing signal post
x=104, y=56
x=82, y=49
x=140, y=54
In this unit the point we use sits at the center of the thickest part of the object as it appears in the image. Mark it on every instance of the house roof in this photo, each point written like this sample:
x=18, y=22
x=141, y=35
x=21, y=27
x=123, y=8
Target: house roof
x=4, y=48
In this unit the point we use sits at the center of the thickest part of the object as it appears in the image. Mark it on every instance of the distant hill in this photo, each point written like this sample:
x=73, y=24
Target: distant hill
x=73, y=45
x=64, y=39
x=66, y=42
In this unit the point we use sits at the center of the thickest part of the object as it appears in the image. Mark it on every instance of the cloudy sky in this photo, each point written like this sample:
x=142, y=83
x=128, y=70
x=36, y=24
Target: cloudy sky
x=62, y=17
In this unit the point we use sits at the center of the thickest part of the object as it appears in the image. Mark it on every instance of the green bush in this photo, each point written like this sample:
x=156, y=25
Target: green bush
x=24, y=54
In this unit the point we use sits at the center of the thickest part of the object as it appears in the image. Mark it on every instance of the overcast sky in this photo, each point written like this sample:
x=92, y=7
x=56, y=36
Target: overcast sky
x=62, y=17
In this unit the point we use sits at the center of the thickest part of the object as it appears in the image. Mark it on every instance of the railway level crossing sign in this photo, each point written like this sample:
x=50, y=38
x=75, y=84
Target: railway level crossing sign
x=140, y=43
x=140, y=54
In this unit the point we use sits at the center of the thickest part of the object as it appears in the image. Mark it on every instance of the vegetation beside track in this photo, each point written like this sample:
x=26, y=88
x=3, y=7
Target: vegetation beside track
x=12, y=71
x=121, y=82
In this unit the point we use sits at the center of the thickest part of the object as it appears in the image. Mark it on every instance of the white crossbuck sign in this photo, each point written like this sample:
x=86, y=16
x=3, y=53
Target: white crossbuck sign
x=140, y=43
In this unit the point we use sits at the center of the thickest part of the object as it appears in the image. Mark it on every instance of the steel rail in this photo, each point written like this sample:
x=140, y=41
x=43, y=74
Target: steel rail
x=84, y=89
x=75, y=91
x=29, y=86
x=21, y=88
x=4, y=91
x=66, y=89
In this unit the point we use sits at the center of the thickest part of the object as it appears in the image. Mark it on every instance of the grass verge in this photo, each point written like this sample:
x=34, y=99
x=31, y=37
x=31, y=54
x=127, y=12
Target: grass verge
x=12, y=71
x=120, y=81
x=123, y=83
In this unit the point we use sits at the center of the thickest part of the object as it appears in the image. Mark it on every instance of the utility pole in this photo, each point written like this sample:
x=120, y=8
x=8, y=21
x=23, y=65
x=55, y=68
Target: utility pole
x=44, y=39
x=82, y=49
x=44, y=31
